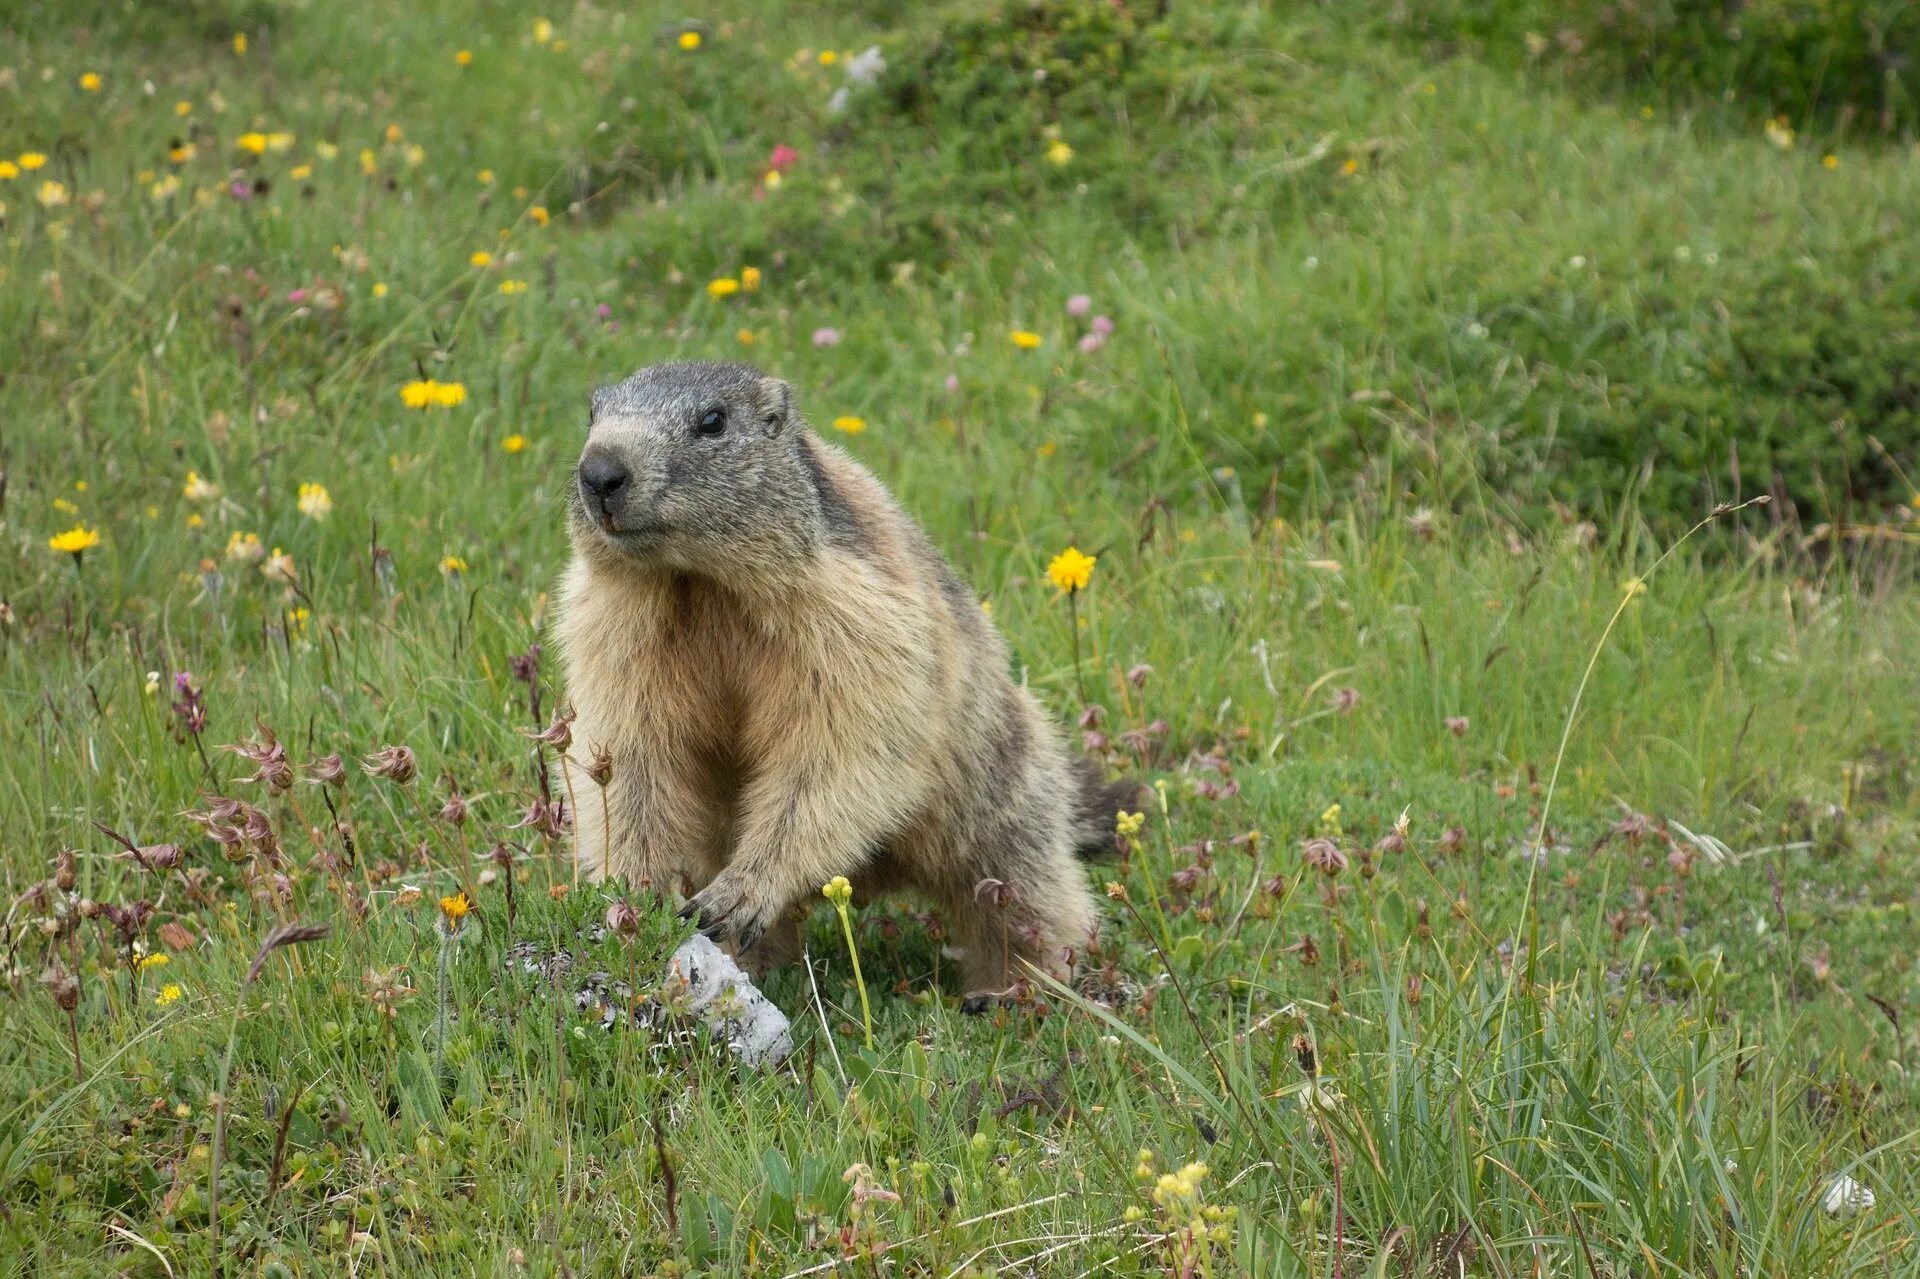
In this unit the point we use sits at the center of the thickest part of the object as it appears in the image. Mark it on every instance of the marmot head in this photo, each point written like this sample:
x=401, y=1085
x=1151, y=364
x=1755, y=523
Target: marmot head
x=698, y=467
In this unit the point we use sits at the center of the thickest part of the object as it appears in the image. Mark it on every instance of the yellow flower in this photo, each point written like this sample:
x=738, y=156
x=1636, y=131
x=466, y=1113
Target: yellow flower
x=1071, y=569
x=1127, y=825
x=183, y=108
x=1634, y=586
x=280, y=140
x=453, y=564
x=1830, y=161
x=75, y=540
x=416, y=155
x=168, y=993
x=837, y=890
x=725, y=286
x=239, y=44
x=315, y=502
x=199, y=490
x=449, y=394
x=539, y=214
x=393, y=134
x=511, y=287
x=464, y=57
x=514, y=443
x=8, y=170
x=31, y=160
x=750, y=278
x=380, y=288
x=455, y=908
x=52, y=194
x=153, y=961
x=744, y=337
x=369, y=163
x=90, y=82
x=689, y=40
x=850, y=424
x=300, y=172
x=253, y=143
x=480, y=257
x=65, y=507
x=194, y=519
x=326, y=150
x=486, y=177
x=279, y=568
x=1058, y=152
x=1779, y=131
x=773, y=179
x=542, y=31
x=245, y=548
x=1350, y=167
x=828, y=57
x=432, y=394
x=1024, y=340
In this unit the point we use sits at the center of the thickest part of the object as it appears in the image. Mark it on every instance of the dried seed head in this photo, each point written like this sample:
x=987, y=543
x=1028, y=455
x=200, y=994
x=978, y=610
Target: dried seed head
x=623, y=920
x=63, y=986
x=1091, y=716
x=290, y=934
x=558, y=734
x=269, y=758
x=1458, y=725
x=1138, y=675
x=64, y=872
x=600, y=768
x=327, y=771
x=395, y=763
x=454, y=811
x=1345, y=699
x=1304, y=1054
x=1324, y=856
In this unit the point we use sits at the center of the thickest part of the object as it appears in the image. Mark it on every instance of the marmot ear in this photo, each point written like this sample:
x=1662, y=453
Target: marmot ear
x=776, y=405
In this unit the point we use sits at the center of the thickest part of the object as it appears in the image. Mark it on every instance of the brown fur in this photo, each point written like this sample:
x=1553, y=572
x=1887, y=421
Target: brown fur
x=794, y=685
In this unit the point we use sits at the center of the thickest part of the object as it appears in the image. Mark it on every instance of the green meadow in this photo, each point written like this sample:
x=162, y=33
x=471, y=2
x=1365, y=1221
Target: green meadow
x=1496, y=430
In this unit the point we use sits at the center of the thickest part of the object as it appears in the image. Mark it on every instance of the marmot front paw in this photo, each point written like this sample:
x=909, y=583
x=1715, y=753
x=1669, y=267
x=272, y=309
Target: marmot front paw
x=733, y=908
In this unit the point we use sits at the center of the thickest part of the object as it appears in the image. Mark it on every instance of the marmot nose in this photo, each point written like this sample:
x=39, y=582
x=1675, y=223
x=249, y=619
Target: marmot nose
x=601, y=477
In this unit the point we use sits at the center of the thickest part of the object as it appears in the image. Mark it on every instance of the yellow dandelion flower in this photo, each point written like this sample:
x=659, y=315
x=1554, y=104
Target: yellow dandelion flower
x=416, y=155
x=750, y=278
x=315, y=502
x=1071, y=569
x=744, y=337
x=689, y=40
x=31, y=160
x=480, y=257
x=449, y=394
x=542, y=31
x=380, y=288
x=392, y=134
x=724, y=287
x=239, y=44
x=828, y=57
x=52, y=194
x=197, y=489
x=168, y=994
x=514, y=443
x=8, y=170
x=253, y=143
x=1350, y=167
x=773, y=179
x=65, y=507
x=512, y=287
x=539, y=214
x=280, y=141
x=300, y=172
x=486, y=177
x=90, y=82
x=75, y=540
x=850, y=424
x=326, y=150
x=455, y=907
x=1830, y=161
x=1025, y=340
x=194, y=519
x=464, y=57
x=453, y=564
x=369, y=162
x=1058, y=152
x=183, y=108
x=182, y=152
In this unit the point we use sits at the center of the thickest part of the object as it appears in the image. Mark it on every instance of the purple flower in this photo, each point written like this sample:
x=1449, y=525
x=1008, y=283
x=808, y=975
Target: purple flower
x=953, y=382
x=297, y=295
x=826, y=337
x=603, y=311
x=1092, y=342
x=1102, y=325
x=1079, y=304
x=241, y=191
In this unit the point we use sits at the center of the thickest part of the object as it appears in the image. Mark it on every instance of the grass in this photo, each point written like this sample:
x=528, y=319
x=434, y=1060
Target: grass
x=1371, y=469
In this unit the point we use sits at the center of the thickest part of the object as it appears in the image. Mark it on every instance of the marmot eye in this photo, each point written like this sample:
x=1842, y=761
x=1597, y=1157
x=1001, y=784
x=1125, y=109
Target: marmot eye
x=713, y=421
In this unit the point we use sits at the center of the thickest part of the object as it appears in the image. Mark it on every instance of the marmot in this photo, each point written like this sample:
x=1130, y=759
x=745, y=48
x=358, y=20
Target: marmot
x=793, y=684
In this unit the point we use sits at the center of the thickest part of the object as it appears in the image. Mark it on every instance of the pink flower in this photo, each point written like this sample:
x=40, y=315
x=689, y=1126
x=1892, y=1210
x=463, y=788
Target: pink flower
x=783, y=158
x=1102, y=325
x=297, y=295
x=953, y=382
x=1079, y=304
x=604, y=311
x=1092, y=342
x=826, y=337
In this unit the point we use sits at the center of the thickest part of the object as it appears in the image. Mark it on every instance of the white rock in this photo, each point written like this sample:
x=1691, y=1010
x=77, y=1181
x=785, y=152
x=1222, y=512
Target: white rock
x=715, y=988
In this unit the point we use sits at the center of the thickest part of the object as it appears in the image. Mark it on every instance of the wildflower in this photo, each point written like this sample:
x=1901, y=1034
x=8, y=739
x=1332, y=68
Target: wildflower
x=1071, y=570
x=513, y=288
x=600, y=767
x=689, y=40
x=31, y=160
x=744, y=337
x=431, y=394
x=1351, y=167
x=623, y=920
x=1059, y=153
x=153, y=683
x=453, y=564
x=783, y=158
x=1079, y=304
x=153, y=961
x=514, y=443
x=826, y=337
x=280, y=141
x=1025, y=340
x=724, y=287
x=300, y=172
x=464, y=58
x=850, y=424
x=315, y=502
x=828, y=57
x=558, y=734
x=168, y=994
x=837, y=890
x=396, y=763
x=387, y=989
x=1829, y=161
x=369, y=163
x=165, y=187
x=76, y=541
x=1846, y=1197
x=539, y=214
x=1128, y=825
x=253, y=143
x=278, y=567
x=750, y=278
x=455, y=907
x=327, y=771
x=270, y=757
x=1318, y=1098
x=239, y=44
x=380, y=288
x=1457, y=725
x=245, y=548
x=52, y=194
x=480, y=257
x=183, y=108
x=866, y=67
x=1324, y=855
x=8, y=170
x=90, y=81
x=1779, y=131
x=542, y=31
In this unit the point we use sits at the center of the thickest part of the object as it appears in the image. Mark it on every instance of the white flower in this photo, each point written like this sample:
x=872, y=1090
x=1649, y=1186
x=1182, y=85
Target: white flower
x=866, y=67
x=1577, y=261
x=1846, y=1197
